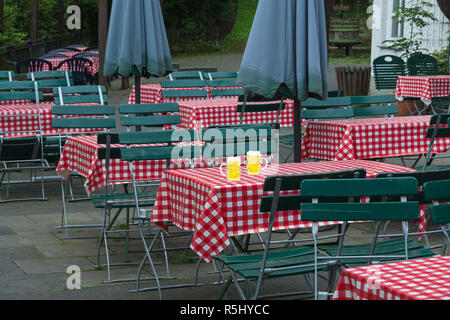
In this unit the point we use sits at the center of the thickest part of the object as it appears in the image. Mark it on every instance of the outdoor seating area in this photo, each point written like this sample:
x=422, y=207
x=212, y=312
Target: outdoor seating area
x=201, y=181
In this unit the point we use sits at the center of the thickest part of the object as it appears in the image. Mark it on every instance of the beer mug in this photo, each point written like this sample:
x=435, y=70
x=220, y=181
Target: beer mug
x=233, y=168
x=254, y=163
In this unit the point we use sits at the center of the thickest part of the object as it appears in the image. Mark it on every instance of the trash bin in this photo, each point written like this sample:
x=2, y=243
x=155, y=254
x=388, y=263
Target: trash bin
x=353, y=80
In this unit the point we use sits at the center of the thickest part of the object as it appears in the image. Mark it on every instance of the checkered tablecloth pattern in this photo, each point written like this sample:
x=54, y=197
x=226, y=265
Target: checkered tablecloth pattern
x=69, y=54
x=420, y=279
x=424, y=87
x=56, y=61
x=80, y=154
x=22, y=120
x=152, y=93
x=369, y=138
x=205, y=202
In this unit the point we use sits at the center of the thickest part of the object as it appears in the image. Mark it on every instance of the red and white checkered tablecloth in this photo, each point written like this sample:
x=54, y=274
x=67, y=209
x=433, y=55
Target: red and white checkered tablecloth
x=80, y=154
x=22, y=120
x=69, y=54
x=56, y=61
x=369, y=138
x=203, y=201
x=423, y=87
x=152, y=93
x=419, y=279
x=212, y=112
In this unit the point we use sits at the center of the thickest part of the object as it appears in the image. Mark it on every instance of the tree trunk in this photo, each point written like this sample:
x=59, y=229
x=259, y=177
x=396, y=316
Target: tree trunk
x=102, y=38
x=60, y=17
x=2, y=7
x=34, y=21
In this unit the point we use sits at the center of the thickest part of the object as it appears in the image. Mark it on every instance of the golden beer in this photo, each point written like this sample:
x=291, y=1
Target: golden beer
x=233, y=169
x=254, y=163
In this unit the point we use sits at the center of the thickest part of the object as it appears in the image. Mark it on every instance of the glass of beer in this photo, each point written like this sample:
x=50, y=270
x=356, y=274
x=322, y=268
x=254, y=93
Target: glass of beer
x=233, y=168
x=254, y=163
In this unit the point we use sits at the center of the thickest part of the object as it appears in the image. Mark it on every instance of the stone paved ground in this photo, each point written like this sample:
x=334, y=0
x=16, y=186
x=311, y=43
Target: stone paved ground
x=34, y=255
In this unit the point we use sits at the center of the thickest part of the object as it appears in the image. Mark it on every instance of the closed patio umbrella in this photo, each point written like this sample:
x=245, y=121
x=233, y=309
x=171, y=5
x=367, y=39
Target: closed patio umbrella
x=287, y=55
x=137, y=41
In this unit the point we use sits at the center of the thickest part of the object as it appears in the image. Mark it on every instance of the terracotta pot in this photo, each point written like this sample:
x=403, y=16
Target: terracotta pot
x=403, y=109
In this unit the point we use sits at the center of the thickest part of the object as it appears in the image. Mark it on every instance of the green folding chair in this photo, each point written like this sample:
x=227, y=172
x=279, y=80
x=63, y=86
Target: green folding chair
x=220, y=83
x=149, y=115
x=369, y=106
x=438, y=193
x=321, y=208
x=80, y=95
x=278, y=258
x=387, y=69
x=177, y=95
x=437, y=130
x=52, y=79
x=21, y=149
x=79, y=120
x=186, y=75
x=219, y=93
x=420, y=64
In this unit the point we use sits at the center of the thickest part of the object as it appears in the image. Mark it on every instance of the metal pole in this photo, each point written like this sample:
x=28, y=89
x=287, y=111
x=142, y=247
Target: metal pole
x=297, y=131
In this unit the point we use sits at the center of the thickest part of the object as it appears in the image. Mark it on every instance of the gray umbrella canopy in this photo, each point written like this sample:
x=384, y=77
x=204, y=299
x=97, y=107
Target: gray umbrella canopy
x=287, y=55
x=137, y=41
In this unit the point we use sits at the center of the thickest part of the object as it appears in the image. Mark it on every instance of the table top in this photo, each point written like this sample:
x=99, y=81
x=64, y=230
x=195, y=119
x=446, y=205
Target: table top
x=423, y=87
x=204, y=201
x=419, y=279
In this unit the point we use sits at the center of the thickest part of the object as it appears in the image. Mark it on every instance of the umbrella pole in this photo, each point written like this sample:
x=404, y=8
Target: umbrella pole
x=297, y=131
x=137, y=89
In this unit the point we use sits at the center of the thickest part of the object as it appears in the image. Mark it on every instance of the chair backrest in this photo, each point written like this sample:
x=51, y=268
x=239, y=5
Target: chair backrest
x=335, y=93
x=52, y=79
x=337, y=113
x=76, y=64
x=371, y=100
x=186, y=75
x=312, y=103
x=185, y=83
x=231, y=141
x=80, y=94
x=149, y=115
x=387, y=69
x=83, y=117
x=20, y=90
x=33, y=65
x=222, y=83
x=180, y=94
x=419, y=64
x=24, y=148
x=251, y=104
x=438, y=130
x=147, y=148
x=292, y=182
x=375, y=111
x=236, y=92
x=222, y=75
x=7, y=76
x=86, y=55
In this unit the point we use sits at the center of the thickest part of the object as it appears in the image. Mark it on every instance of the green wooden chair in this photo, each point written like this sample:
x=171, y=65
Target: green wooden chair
x=387, y=209
x=386, y=70
x=253, y=104
x=274, y=261
x=177, y=95
x=437, y=192
x=218, y=93
x=75, y=120
x=7, y=76
x=149, y=115
x=80, y=95
x=331, y=102
x=184, y=83
x=21, y=150
x=142, y=146
x=420, y=64
x=186, y=75
x=204, y=69
x=422, y=178
x=379, y=105
x=51, y=79
x=222, y=75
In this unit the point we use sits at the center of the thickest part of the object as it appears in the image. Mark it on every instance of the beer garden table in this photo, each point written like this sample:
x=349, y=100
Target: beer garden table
x=215, y=209
x=419, y=279
x=423, y=87
x=56, y=61
x=369, y=138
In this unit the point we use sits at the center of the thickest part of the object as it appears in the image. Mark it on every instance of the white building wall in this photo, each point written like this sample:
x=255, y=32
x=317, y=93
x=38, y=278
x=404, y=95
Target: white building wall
x=434, y=36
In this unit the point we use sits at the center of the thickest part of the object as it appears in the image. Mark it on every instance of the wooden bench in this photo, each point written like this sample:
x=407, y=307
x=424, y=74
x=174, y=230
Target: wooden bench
x=348, y=44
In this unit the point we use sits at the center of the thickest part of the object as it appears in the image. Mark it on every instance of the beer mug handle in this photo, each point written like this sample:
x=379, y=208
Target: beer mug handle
x=266, y=164
x=221, y=171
